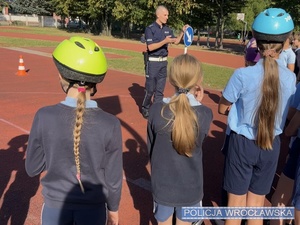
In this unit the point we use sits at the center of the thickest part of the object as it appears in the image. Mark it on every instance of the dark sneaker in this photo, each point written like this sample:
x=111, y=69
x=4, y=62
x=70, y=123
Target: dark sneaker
x=145, y=113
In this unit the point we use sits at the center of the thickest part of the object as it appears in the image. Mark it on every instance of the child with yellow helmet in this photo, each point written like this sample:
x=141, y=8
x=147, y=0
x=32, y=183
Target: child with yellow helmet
x=77, y=144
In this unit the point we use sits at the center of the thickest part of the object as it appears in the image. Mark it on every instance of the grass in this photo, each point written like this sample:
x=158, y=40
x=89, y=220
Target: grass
x=215, y=77
x=17, y=42
x=35, y=30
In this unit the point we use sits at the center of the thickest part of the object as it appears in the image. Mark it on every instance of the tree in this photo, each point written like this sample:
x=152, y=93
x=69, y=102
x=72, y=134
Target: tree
x=129, y=12
x=178, y=10
x=38, y=7
x=222, y=9
x=250, y=10
x=3, y=3
x=101, y=12
x=292, y=7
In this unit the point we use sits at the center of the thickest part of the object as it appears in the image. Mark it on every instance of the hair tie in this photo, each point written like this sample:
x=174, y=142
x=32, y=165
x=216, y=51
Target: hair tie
x=183, y=90
x=81, y=89
x=269, y=52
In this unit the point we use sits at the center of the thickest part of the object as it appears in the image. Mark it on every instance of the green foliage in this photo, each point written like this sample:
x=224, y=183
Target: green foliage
x=130, y=11
x=61, y=7
x=38, y=7
x=251, y=10
x=292, y=7
x=220, y=14
x=3, y=3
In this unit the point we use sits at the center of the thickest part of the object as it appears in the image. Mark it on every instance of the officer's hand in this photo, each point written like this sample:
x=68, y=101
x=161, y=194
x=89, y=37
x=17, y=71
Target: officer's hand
x=169, y=39
x=185, y=27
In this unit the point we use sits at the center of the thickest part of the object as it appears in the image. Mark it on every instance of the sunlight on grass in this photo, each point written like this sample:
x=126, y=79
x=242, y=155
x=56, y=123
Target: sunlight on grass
x=17, y=42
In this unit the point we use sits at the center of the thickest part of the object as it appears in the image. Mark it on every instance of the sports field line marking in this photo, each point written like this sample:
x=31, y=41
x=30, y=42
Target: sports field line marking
x=14, y=125
x=29, y=51
x=140, y=182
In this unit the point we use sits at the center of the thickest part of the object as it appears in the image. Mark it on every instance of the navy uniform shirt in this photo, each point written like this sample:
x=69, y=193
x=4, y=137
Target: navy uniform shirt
x=154, y=34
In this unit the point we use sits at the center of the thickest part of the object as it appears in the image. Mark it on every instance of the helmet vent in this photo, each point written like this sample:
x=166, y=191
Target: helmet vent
x=97, y=49
x=280, y=14
x=79, y=44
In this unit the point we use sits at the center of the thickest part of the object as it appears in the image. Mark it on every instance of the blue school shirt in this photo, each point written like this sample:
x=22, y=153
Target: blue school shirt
x=288, y=56
x=244, y=90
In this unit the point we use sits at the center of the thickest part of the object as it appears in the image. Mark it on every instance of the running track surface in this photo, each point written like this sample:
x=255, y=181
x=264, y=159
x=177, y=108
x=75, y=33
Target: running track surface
x=120, y=94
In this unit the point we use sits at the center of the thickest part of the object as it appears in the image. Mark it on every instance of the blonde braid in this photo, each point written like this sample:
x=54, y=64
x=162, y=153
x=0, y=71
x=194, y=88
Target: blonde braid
x=77, y=132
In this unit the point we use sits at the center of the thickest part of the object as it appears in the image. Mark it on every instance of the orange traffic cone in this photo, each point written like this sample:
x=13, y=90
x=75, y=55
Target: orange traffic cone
x=21, y=68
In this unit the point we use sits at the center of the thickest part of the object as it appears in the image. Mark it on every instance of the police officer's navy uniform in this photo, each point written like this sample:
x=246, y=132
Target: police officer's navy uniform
x=156, y=69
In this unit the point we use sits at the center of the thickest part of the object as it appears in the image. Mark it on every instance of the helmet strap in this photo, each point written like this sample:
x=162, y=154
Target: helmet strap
x=94, y=90
x=71, y=84
x=81, y=83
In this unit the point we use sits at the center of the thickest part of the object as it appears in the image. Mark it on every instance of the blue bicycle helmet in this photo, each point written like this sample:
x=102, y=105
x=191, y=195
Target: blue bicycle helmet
x=272, y=25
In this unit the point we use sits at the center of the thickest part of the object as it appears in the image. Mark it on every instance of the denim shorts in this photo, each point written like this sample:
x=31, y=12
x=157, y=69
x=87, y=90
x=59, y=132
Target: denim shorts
x=248, y=167
x=162, y=212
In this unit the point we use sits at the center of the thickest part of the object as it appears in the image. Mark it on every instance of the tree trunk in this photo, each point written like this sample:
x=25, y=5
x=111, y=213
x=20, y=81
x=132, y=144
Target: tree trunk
x=222, y=34
x=222, y=21
x=208, y=36
x=198, y=36
x=217, y=32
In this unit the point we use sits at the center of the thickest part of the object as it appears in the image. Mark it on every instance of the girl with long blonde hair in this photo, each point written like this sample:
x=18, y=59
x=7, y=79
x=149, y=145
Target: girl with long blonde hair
x=256, y=99
x=176, y=130
x=77, y=144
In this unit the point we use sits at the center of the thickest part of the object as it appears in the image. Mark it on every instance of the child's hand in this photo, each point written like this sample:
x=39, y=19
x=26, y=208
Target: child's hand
x=112, y=218
x=199, y=93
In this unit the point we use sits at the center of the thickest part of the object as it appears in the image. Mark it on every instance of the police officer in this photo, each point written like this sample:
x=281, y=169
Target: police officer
x=158, y=35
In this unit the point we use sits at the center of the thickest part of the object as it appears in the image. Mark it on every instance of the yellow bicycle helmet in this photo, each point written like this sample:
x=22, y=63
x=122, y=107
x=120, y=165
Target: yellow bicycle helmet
x=80, y=59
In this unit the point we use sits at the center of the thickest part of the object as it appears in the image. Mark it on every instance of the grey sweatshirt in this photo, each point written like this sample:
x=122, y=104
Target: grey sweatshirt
x=50, y=149
x=176, y=180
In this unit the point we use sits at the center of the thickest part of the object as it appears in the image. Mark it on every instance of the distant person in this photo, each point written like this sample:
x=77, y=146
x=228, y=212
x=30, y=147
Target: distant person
x=158, y=36
x=284, y=189
x=287, y=54
x=293, y=129
x=252, y=54
x=77, y=144
x=297, y=53
x=176, y=129
x=256, y=101
x=245, y=37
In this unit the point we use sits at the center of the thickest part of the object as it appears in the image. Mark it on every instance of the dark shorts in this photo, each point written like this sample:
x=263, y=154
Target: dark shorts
x=296, y=194
x=290, y=167
x=162, y=212
x=55, y=216
x=248, y=167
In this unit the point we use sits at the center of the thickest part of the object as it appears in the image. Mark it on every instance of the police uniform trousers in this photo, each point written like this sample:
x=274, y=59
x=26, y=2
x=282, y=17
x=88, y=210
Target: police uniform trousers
x=156, y=75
